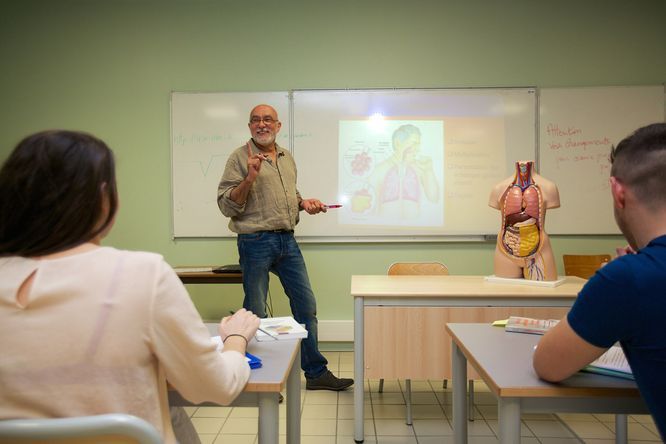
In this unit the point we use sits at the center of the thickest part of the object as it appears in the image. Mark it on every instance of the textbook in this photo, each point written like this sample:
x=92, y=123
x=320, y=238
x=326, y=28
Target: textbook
x=517, y=324
x=612, y=363
x=252, y=360
x=281, y=328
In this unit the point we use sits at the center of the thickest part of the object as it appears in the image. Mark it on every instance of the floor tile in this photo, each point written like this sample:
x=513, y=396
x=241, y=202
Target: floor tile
x=479, y=427
x=319, y=411
x=390, y=386
x=190, y=410
x=346, y=411
x=417, y=386
x=424, y=398
x=432, y=427
x=240, y=426
x=580, y=417
x=389, y=411
x=393, y=427
x=305, y=439
x=548, y=429
x=212, y=412
x=560, y=440
x=483, y=440
x=321, y=397
x=208, y=425
x=208, y=438
x=244, y=412
x=235, y=439
x=345, y=427
x=435, y=439
x=387, y=398
x=325, y=427
x=350, y=440
x=643, y=419
x=428, y=411
x=586, y=429
x=524, y=430
x=396, y=440
x=637, y=431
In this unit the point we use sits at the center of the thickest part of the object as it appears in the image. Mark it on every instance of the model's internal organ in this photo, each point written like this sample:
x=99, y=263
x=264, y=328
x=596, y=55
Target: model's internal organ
x=521, y=225
x=360, y=164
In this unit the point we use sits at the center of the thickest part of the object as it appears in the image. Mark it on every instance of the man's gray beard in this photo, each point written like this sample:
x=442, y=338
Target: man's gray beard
x=265, y=139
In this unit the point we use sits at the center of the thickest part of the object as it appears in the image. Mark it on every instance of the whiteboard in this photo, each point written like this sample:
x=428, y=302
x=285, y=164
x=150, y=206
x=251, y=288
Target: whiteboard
x=577, y=127
x=205, y=129
x=345, y=148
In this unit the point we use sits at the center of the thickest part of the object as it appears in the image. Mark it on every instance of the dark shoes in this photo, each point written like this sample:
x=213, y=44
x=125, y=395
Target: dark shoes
x=328, y=381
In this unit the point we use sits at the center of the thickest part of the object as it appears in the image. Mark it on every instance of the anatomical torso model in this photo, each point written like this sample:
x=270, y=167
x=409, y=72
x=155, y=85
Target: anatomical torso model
x=523, y=247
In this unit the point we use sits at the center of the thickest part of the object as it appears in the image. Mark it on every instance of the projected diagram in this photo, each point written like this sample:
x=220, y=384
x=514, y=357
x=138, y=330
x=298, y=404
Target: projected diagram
x=391, y=172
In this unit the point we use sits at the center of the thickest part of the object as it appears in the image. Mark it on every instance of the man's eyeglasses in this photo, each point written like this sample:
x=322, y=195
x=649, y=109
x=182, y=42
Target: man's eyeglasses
x=268, y=120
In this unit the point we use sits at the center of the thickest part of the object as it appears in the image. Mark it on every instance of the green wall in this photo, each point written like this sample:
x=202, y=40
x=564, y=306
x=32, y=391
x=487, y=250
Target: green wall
x=108, y=67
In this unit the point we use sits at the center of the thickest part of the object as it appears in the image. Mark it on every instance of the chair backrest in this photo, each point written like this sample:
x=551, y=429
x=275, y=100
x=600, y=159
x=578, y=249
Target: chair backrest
x=584, y=265
x=109, y=428
x=424, y=268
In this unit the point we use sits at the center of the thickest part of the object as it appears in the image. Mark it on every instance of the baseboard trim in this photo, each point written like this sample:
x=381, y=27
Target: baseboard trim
x=336, y=331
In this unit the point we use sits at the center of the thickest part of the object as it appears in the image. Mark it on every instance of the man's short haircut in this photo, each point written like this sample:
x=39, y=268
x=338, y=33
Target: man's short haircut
x=639, y=162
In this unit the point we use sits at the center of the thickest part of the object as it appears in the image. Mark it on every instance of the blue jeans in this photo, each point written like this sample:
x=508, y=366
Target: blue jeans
x=264, y=252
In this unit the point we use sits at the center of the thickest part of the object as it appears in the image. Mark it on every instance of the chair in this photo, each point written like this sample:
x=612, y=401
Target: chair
x=584, y=265
x=422, y=268
x=108, y=428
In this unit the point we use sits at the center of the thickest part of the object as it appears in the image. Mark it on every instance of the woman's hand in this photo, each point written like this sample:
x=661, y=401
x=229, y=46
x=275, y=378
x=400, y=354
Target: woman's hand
x=243, y=323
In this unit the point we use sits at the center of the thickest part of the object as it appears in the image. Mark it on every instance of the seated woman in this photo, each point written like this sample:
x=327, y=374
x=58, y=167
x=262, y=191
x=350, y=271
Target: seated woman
x=87, y=329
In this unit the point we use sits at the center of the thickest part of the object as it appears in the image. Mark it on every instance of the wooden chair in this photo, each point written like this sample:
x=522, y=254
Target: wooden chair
x=422, y=268
x=109, y=428
x=584, y=265
x=425, y=269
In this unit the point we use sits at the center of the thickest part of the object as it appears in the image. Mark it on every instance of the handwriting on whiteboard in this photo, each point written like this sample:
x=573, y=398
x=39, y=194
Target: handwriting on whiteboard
x=573, y=149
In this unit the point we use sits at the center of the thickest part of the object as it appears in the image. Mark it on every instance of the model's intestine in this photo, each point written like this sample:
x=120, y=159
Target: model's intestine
x=522, y=220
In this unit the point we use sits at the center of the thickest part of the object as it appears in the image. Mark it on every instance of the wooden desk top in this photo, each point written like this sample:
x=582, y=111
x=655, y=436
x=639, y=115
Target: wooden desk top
x=208, y=277
x=504, y=360
x=454, y=286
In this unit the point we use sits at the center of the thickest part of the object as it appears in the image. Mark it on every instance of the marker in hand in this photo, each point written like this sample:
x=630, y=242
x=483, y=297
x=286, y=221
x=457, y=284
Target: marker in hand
x=332, y=206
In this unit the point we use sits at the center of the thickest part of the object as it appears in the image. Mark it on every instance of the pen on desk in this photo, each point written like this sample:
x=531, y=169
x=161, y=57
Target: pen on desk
x=260, y=329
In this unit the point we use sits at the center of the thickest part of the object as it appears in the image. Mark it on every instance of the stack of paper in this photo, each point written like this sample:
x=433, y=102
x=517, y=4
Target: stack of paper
x=281, y=328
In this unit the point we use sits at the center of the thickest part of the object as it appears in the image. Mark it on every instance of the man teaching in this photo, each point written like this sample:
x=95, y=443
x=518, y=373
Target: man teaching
x=258, y=192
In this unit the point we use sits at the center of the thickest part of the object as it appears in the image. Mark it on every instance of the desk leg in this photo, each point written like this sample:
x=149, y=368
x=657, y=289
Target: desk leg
x=359, y=377
x=509, y=420
x=459, y=369
x=268, y=418
x=621, y=429
x=294, y=401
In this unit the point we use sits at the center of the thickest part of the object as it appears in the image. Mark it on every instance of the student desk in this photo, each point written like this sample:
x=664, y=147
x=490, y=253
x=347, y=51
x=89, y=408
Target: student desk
x=399, y=321
x=504, y=361
x=281, y=365
x=208, y=277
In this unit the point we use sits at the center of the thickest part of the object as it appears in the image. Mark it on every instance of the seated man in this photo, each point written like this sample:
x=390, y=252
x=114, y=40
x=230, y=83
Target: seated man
x=625, y=300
